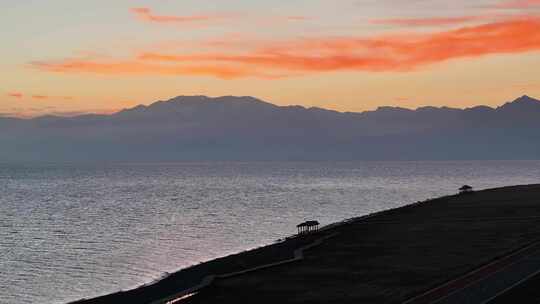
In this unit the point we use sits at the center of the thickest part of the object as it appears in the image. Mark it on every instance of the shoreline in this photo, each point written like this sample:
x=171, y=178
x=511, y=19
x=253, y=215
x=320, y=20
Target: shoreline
x=301, y=239
x=474, y=221
x=284, y=248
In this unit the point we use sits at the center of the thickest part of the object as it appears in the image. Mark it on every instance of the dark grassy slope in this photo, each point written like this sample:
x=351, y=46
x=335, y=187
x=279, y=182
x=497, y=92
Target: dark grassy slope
x=397, y=254
x=192, y=276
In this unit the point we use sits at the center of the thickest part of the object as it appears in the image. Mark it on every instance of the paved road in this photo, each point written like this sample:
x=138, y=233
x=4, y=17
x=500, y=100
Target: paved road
x=526, y=291
x=493, y=283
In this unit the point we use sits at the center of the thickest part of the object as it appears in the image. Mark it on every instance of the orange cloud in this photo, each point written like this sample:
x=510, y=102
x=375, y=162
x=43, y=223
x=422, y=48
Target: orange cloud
x=390, y=53
x=425, y=21
x=519, y=4
x=135, y=67
x=40, y=97
x=145, y=14
x=398, y=53
x=15, y=95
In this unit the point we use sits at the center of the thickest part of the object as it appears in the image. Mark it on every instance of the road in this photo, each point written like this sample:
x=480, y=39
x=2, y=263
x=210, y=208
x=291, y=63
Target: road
x=510, y=277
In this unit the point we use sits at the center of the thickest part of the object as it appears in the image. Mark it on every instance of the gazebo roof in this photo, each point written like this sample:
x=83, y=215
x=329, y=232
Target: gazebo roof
x=308, y=223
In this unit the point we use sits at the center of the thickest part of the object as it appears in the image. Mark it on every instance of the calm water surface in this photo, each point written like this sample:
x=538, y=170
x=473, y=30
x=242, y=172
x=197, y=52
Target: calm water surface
x=73, y=231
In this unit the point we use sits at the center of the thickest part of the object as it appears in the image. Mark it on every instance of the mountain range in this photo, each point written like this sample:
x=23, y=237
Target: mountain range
x=246, y=128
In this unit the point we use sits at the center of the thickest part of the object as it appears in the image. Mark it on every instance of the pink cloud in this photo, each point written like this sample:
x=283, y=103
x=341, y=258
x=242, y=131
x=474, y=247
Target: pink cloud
x=519, y=4
x=146, y=14
x=297, y=18
x=38, y=96
x=436, y=21
x=15, y=94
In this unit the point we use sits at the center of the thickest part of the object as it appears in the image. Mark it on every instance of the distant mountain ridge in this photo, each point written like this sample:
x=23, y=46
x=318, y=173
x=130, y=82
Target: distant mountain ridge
x=246, y=128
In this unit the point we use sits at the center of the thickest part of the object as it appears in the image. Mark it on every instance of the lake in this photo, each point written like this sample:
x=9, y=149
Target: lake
x=70, y=231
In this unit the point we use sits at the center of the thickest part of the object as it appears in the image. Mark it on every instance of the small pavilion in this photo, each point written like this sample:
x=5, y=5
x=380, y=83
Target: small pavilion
x=307, y=227
x=465, y=189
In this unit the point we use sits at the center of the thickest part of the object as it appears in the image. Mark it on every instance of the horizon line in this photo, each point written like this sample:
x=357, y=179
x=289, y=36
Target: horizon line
x=110, y=112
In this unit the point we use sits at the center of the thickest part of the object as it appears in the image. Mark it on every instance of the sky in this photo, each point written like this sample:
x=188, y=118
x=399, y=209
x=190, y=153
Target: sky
x=68, y=57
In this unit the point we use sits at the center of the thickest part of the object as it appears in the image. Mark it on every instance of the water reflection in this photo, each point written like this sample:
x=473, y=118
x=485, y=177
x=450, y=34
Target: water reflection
x=72, y=231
